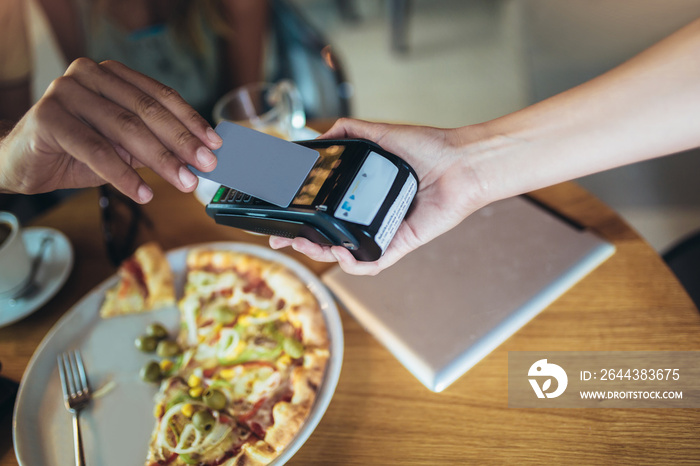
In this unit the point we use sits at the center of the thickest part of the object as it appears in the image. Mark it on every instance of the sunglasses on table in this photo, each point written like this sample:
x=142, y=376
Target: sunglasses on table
x=123, y=222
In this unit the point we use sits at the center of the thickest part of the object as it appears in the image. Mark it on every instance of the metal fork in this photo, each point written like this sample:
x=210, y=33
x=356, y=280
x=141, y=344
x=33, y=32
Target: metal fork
x=76, y=394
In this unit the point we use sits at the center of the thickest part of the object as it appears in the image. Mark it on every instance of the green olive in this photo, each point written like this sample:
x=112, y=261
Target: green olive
x=146, y=343
x=224, y=316
x=203, y=420
x=214, y=399
x=151, y=372
x=157, y=331
x=167, y=349
x=293, y=347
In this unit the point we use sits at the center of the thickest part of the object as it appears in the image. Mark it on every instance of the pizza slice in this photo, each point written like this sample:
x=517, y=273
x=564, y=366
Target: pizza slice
x=256, y=352
x=145, y=283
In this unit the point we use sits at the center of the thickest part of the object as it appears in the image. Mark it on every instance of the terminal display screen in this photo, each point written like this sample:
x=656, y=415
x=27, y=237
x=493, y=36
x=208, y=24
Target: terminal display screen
x=328, y=160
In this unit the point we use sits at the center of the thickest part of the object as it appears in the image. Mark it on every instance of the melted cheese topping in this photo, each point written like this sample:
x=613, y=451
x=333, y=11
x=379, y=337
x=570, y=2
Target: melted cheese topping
x=251, y=382
x=190, y=308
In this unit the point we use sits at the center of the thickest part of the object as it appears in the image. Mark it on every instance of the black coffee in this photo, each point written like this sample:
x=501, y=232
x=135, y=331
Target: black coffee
x=5, y=230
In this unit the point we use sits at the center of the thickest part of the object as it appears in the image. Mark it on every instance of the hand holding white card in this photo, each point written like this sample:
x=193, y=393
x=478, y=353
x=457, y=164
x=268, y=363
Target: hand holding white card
x=261, y=165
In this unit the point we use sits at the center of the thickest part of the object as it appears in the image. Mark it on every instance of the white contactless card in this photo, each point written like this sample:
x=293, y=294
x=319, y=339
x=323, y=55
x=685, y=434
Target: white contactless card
x=261, y=165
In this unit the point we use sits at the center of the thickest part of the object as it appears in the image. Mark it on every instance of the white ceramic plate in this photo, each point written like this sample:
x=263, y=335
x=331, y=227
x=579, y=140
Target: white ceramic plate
x=117, y=427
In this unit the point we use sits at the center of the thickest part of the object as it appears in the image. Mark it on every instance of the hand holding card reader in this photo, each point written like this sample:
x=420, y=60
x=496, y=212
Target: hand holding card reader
x=356, y=196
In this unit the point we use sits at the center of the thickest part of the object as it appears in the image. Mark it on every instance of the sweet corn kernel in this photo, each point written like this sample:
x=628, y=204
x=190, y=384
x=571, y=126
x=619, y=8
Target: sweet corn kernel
x=226, y=373
x=158, y=410
x=217, y=328
x=196, y=392
x=244, y=320
x=201, y=338
x=166, y=365
x=187, y=410
x=194, y=381
x=285, y=360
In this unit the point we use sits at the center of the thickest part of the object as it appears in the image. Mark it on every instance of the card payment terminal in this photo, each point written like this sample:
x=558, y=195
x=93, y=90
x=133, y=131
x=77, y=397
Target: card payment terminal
x=355, y=196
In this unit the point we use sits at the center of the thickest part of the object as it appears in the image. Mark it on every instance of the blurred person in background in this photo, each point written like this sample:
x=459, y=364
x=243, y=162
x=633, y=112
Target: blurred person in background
x=102, y=119
x=200, y=48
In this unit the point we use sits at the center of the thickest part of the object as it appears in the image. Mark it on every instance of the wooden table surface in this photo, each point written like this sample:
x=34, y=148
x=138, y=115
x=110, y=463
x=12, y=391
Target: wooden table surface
x=381, y=415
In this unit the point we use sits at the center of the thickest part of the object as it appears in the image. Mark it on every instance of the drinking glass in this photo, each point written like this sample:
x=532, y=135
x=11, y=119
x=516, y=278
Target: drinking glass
x=275, y=109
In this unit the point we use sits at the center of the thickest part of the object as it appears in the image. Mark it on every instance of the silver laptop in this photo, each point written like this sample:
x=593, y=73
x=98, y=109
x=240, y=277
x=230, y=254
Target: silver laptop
x=445, y=306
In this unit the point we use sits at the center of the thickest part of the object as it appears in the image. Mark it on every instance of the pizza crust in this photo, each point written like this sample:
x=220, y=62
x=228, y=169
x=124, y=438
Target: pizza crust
x=145, y=283
x=157, y=274
x=313, y=325
x=307, y=378
x=220, y=260
x=289, y=418
x=255, y=454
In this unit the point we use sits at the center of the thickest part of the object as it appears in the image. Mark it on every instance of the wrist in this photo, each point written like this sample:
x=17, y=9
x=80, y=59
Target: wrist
x=509, y=156
x=479, y=148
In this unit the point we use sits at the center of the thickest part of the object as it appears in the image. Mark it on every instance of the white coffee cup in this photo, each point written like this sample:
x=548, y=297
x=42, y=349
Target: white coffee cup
x=15, y=264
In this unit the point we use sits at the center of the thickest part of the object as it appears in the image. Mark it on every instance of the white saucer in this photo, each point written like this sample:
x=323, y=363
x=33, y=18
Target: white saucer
x=52, y=274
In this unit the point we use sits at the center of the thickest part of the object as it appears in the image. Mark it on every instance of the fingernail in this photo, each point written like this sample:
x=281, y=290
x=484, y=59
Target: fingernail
x=213, y=137
x=335, y=254
x=205, y=157
x=145, y=193
x=187, y=178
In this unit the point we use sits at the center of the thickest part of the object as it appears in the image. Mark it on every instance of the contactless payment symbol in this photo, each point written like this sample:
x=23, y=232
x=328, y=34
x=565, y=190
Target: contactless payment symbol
x=542, y=369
